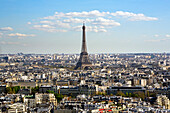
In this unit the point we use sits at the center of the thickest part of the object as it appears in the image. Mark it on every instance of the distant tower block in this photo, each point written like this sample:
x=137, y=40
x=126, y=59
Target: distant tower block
x=84, y=61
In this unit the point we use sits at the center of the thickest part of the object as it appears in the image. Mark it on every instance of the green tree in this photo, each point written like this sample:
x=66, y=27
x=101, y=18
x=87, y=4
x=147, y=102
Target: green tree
x=49, y=91
x=59, y=97
x=104, y=94
x=13, y=90
x=130, y=95
x=35, y=90
x=120, y=93
x=99, y=93
x=9, y=90
x=126, y=94
x=140, y=94
x=152, y=94
x=16, y=89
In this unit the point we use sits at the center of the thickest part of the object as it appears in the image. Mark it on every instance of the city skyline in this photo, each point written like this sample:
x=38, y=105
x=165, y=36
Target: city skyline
x=112, y=26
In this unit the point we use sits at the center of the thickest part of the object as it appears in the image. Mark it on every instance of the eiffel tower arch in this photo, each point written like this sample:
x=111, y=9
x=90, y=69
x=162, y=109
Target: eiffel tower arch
x=84, y=61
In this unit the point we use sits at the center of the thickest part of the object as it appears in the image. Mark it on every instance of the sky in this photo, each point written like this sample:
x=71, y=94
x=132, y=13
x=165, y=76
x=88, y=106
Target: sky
x=112, y=26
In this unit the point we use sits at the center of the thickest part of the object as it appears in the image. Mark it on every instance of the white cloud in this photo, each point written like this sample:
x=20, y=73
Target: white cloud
x=90, y=28
x=43, y=26
x=13, y=43
x=139, y=18
x=74, y=20
x=6, y=29
x=20, y=35
x=156, y=35
x=29, y=23
x=9, y=43
x=46, y=22
x=102, y=30
x=168, y=36
x=133, y=16
x=158, y=40
x=98, y=21
x=62, y=22
x=94, y=13
x=105, y=22
x=48, y=28
x=50, y=17
x=55, y=30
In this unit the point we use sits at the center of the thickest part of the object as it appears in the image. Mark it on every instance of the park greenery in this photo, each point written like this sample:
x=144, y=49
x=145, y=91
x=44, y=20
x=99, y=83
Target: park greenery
x=12, y=90
x=137, y=94
x=35, y=90
x=59, y=97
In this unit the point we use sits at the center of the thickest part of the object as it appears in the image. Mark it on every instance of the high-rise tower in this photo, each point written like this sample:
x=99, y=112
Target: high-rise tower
x=84, y=61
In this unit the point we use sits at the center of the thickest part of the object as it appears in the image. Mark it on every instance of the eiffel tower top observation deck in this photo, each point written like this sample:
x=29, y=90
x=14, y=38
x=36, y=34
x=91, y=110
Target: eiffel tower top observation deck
x=84, y=61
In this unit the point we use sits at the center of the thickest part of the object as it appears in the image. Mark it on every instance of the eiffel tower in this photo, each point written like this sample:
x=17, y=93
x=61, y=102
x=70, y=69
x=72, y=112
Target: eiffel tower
x=84, y=61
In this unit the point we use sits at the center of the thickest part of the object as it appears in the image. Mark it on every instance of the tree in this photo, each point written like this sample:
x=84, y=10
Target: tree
x=104, y=94
x=99, y=93
x=130, y=95
x=59, y=97
x=9, y=90
x=152, y=94
x=140, y=94
x=120, y=93
x=127, y=94
x=16, y=89
x=35, y=90
x=111, y=94
x=49, y=91
x=13, y=90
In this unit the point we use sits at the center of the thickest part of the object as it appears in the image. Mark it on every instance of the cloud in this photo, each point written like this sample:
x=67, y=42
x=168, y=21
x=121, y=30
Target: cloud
x=43, y=26
x=133, y=17
x=100, y=21
x=28, y=22
x=158, y=40
x=105, y=22
x=139, y=18
x=6, y=29
x=90, y=28
x=48, y=28
x=13, y=43
x=75, y=20
x=168, y=36
x=63, y=22
x=94, y=13
x=9, y=43
x=20, y=35
x=156, y=35
x=46, y=22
